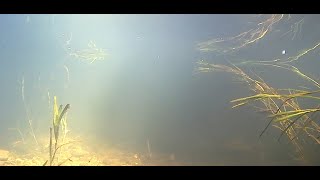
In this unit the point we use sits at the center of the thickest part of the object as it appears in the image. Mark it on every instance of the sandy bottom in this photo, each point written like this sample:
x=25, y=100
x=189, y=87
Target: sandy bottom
x=83, y=151
x=76, y=151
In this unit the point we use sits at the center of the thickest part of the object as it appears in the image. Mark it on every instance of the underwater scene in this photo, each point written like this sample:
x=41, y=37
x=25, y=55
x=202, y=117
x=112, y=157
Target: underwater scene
x=159, y=89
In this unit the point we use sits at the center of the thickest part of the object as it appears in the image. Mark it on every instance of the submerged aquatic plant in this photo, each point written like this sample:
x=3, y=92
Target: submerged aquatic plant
x=244, y=39
x=27, y=113
x=91, y=54
x=282, y=105
x=285, y=111
x=58, y=117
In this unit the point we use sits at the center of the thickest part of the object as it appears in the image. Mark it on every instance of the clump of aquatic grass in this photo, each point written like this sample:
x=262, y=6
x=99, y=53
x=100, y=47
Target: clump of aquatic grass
x=90, y=54
x=282, y=105
x=58, y=117
x=263, y=26
x=286, y=63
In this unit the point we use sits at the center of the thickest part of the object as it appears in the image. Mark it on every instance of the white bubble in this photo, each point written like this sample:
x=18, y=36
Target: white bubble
x=283, y=52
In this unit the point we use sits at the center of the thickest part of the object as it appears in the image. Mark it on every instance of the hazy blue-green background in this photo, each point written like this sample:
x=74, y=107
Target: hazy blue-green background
x=145, y=88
